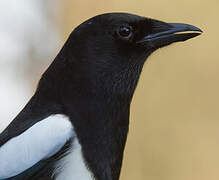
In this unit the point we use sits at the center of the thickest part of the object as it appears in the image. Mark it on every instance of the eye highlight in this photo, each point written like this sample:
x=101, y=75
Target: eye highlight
x=125, y=32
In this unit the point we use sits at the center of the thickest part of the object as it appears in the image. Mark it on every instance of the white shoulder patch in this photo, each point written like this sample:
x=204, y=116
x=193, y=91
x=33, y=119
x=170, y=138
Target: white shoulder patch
x=40, y=141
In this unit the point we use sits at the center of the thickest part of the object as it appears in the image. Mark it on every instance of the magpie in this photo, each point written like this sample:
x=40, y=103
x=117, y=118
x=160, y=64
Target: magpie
x=75, y=125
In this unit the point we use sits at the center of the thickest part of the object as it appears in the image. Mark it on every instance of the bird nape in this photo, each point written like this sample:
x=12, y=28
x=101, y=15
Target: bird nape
x=75, y=126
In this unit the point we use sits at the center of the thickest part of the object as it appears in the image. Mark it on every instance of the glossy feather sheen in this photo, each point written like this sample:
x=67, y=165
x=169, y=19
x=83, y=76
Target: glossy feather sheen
x=40, y=141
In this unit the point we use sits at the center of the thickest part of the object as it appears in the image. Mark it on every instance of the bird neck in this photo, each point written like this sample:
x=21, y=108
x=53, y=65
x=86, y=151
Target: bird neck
x=101, y=128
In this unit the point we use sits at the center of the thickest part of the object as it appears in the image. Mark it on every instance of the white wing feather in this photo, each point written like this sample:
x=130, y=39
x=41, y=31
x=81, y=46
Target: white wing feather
x=40, y=141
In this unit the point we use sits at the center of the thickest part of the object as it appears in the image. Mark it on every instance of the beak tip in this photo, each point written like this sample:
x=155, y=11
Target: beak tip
x=185, y=27
x=197, y=29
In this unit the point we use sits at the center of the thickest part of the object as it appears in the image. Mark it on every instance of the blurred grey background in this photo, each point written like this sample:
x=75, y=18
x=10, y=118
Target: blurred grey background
x=29, y=39
x=174, y=130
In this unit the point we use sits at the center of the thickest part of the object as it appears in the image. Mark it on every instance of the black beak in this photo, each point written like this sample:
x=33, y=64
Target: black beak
x=169, y=33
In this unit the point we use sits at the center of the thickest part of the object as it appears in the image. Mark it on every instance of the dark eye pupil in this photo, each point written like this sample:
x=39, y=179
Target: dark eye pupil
x=125, y=31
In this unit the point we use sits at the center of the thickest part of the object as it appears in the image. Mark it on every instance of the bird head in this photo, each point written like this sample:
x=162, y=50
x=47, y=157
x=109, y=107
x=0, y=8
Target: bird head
x=108, y=51
x=129, y=35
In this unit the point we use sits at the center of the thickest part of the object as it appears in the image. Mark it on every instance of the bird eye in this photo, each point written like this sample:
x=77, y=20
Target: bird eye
x=125, y=32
